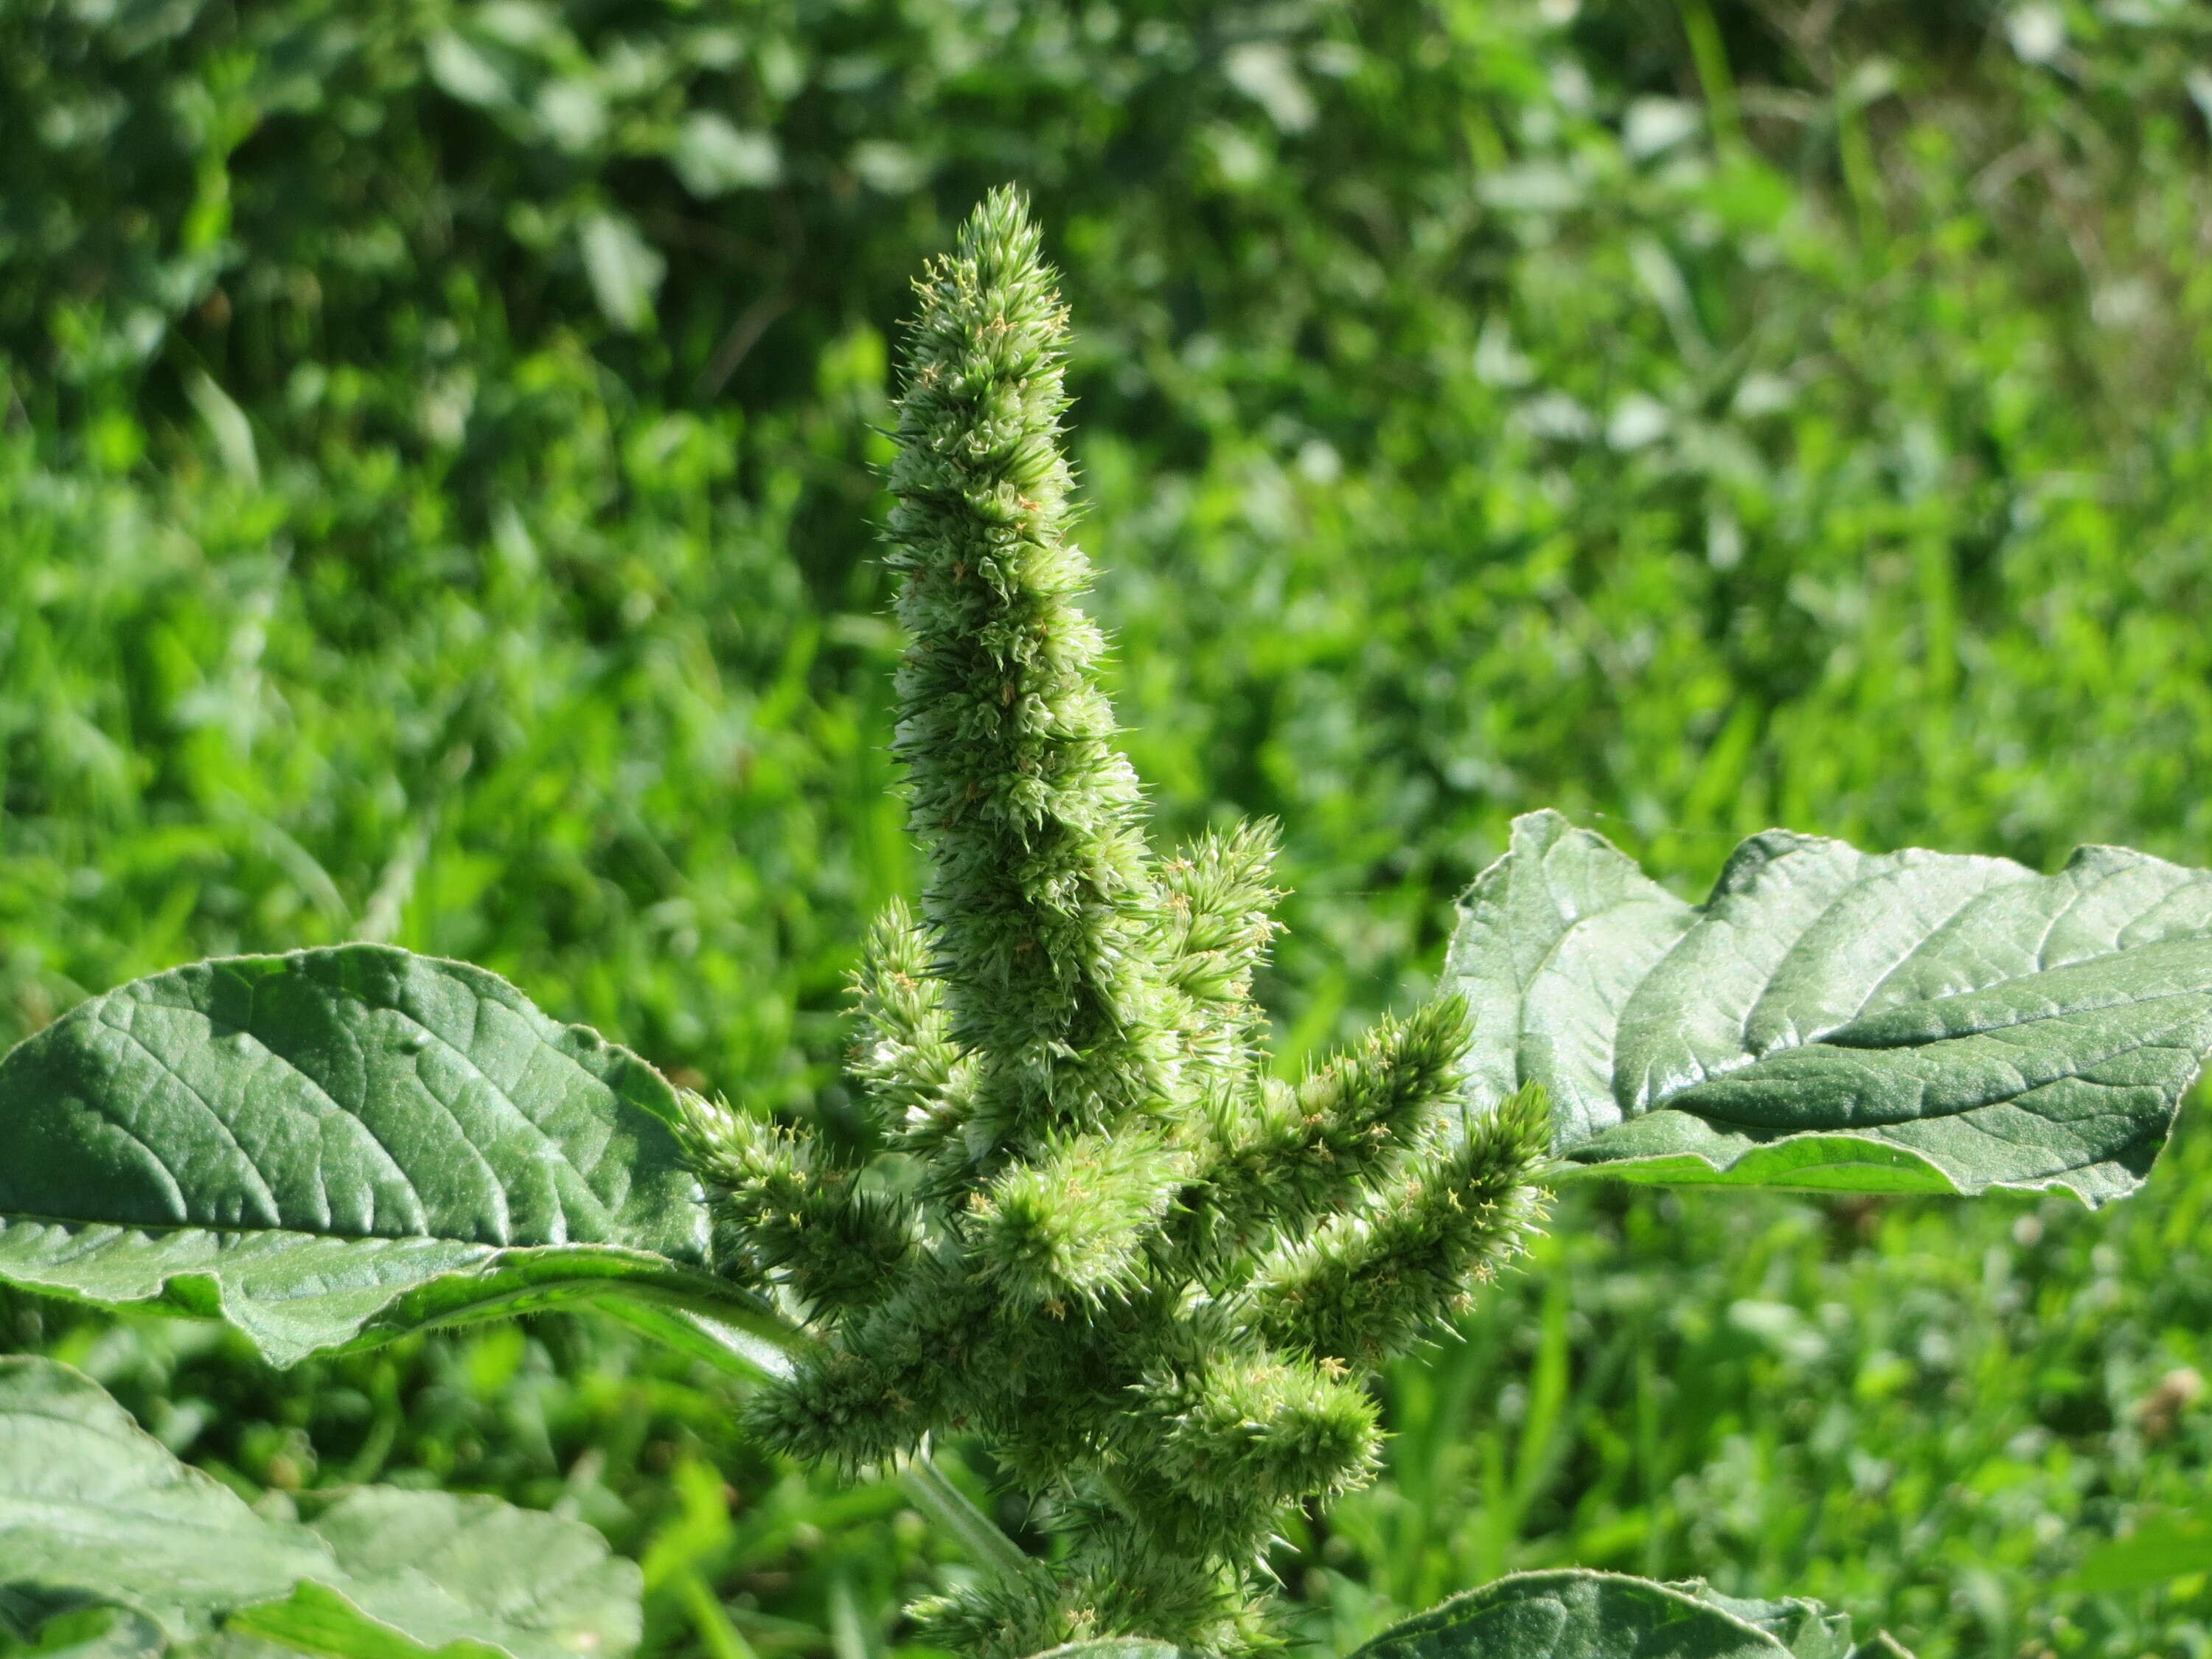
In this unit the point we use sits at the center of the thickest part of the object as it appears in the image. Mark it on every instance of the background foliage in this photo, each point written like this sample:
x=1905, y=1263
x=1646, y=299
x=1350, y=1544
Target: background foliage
x=436, y=505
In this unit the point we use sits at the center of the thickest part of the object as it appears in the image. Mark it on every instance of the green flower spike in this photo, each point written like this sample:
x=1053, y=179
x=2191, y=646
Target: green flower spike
x=1095, y=1233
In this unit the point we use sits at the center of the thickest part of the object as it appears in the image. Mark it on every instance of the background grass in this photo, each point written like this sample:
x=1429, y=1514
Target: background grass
x=435, y=503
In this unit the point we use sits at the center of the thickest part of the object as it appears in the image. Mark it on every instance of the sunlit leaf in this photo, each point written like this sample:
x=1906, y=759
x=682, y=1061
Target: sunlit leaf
x=340, y=1142
x=1574, y=1614
x=1905, y=1021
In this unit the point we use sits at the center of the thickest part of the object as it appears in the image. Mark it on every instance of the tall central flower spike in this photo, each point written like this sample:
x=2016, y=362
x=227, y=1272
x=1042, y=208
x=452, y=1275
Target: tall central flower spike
x=1093, y=1231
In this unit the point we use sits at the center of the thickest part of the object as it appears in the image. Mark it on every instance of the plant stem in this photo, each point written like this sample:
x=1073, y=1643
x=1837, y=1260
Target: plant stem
x=947, y=1505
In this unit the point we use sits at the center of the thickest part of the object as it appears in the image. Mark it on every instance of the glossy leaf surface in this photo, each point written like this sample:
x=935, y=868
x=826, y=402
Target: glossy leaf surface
x=339, y=1141
x=1906, y=1022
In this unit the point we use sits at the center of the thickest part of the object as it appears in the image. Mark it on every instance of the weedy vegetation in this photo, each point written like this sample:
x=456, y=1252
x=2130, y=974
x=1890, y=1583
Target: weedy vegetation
x=443, y=453
x=1076, y=1216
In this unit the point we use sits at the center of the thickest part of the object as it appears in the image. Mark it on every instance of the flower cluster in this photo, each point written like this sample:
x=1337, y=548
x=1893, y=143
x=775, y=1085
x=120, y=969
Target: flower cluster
x=1093, y=1230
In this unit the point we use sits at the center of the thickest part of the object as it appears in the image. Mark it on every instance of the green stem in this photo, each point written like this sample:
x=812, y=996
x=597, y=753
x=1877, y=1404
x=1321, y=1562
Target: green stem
x=947, y=1504
x=762, y=1346
x=742, y=1342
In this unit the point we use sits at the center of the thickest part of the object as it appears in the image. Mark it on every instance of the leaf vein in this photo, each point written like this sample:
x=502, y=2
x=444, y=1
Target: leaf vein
x=267, y=1193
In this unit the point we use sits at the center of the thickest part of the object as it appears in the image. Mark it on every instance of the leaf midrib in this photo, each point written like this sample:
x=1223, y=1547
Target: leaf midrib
x=1771, y=1131
x=1872, y=1046
x=2043, y=966
x=1829, y=1039
x=1859, y=881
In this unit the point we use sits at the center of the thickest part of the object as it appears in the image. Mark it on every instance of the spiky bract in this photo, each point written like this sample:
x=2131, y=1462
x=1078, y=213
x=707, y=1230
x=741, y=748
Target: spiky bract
x=1041, y=898
x=1367, y=1285
x=1096, y=1232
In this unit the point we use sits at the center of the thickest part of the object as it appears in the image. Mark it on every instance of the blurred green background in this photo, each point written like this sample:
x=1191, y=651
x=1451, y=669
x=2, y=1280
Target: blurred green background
x=438, y=451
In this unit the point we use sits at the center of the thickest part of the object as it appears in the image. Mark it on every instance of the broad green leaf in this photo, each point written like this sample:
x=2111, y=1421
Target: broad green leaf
x=1574, y=1614
x=1906, y=1022
x=92, y=1508
x=338, y=1144
x=431, y=1572
x=95, y=1511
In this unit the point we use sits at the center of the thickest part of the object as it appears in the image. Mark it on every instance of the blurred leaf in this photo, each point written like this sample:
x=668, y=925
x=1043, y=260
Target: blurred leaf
x=88, y=1632
x=433, y=1572
x=93, y=1507
x=227, y=425
x=624, y=270
x=464, y=70
x=713, y=158
x=2159, y=1550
